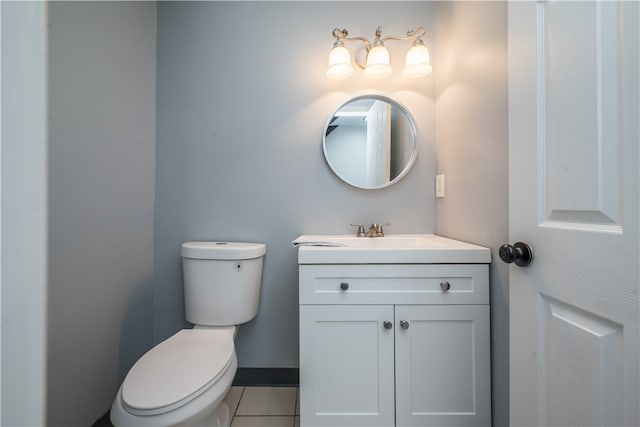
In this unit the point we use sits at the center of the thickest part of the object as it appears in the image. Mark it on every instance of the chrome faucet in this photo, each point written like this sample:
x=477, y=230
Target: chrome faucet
x=375, y=230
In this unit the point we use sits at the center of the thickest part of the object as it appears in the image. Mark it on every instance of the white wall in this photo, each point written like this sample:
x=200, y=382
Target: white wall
x=472, y=147
x=101, y=196
x=242, y=103
x=24, y=212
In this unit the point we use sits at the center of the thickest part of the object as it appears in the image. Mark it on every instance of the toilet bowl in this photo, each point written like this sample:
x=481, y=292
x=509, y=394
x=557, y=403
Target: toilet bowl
x=184, y=379
x=181, y=381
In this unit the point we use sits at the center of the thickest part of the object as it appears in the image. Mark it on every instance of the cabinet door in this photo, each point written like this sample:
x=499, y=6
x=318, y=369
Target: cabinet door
x=346, y=366
x=442, y=366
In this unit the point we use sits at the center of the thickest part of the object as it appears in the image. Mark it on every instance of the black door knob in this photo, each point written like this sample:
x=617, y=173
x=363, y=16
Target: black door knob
x=520, y=253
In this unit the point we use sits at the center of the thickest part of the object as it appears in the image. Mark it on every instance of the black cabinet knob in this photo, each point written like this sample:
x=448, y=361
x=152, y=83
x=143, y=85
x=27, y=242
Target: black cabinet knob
x=344, y=286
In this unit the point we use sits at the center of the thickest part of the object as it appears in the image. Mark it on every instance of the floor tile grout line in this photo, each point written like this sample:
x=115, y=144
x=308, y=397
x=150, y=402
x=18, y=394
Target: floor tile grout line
x=245, y=400
x=235, y=411
x=293, y=416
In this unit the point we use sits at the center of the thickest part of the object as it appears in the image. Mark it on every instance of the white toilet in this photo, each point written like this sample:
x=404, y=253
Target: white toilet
x=183, y=380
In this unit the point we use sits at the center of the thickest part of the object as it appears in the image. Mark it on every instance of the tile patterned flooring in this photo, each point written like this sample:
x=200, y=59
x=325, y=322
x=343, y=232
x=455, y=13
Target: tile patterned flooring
x=255, y=407
x=264, y=406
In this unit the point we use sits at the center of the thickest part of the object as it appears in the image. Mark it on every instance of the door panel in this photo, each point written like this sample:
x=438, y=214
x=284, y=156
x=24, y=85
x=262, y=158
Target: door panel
x=346, y=360
x=442, y=366
x=584, y=355
x=378, y=144
x=574, y=173
x=579, y=140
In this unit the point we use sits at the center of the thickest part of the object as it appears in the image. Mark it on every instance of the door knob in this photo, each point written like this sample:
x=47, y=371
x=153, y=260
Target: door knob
x=387, y=324
x=520, y=253
x=404, y=324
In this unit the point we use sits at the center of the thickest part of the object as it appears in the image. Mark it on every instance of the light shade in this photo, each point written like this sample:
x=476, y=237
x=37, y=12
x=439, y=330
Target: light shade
x=417, y=62
x=378, y=63
x=339, y=63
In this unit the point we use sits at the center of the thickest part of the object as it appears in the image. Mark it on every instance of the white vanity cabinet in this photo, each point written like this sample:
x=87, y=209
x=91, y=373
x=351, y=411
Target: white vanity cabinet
x=394, y=345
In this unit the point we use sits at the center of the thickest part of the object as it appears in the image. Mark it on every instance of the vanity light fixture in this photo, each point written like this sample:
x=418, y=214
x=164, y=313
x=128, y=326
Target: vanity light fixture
x=374, y=59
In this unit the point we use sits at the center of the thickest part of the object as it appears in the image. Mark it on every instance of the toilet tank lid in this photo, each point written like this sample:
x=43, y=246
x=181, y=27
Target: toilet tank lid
x=222, y=250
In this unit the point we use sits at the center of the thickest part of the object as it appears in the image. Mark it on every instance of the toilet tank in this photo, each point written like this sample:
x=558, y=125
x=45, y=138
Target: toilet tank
x=221, y=281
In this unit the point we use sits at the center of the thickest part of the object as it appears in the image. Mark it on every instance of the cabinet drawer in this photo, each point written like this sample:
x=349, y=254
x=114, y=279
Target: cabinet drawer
x=394, y=284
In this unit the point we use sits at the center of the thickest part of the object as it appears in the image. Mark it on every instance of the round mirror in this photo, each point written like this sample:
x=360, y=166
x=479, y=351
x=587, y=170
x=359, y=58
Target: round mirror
x=370, y=142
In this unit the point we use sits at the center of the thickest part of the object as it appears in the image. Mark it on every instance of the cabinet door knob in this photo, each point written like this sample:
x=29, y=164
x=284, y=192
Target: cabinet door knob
x=344, y=286
x=387, y=324
x=404, y=324
x=445, y=286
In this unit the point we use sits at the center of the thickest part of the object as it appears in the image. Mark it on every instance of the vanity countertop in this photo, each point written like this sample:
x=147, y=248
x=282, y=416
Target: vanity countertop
x=391, y=249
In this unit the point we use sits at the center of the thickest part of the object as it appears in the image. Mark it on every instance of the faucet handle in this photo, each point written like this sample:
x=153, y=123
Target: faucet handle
x=380, y=230
x=360, y=231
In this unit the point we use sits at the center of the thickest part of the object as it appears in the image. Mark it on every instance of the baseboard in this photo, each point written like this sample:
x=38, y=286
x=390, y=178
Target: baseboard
x=282, y=377
x=103, y=421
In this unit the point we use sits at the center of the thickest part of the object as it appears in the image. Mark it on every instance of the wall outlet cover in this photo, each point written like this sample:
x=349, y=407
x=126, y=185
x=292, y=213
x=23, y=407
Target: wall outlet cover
x=440, y=186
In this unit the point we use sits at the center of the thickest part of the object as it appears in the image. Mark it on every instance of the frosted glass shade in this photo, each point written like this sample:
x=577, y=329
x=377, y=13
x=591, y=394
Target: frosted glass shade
x=378, y=63
x=339, y=63
x=417, y=62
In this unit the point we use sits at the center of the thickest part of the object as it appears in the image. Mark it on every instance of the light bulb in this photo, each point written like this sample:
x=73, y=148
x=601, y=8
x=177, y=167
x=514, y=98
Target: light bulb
x=339, y=62
x=417, y=62
x=378, y=63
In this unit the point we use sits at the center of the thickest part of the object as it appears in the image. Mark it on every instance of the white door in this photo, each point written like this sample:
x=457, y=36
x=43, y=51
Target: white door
x=346, y=365
x=573, y=171
x=378, y=144
x=442, y=365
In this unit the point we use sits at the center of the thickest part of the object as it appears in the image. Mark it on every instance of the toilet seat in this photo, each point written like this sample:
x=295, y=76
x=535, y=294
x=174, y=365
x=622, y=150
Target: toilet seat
x=177, y=370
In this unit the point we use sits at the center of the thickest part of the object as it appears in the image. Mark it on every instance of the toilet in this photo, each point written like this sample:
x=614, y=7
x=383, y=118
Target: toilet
x=184, y=379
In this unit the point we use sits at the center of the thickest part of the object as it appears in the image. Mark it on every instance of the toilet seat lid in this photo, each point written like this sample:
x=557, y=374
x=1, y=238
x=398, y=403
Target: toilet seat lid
x=177, y=368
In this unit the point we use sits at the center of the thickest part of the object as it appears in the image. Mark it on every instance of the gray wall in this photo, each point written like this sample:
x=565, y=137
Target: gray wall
x=242, y=102
x=472, y=148
x=24, y=212
x=101, y=198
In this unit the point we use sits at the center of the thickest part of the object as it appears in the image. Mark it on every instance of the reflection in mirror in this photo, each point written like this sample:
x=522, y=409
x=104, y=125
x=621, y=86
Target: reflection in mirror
x=370, y=142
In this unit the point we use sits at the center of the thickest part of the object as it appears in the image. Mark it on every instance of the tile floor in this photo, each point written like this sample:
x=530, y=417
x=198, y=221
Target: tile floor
x=264, y=406
x=255, y=407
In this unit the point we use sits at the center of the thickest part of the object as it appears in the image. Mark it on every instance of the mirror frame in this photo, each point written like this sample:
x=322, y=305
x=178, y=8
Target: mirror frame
x=412, y=125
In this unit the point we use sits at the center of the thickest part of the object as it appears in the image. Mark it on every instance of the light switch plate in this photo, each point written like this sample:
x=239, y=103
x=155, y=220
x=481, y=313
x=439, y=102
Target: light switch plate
x=440, y=186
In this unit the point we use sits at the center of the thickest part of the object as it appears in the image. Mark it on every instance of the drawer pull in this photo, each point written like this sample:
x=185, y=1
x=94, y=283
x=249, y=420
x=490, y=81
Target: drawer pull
x=387, y=324
x=344, y=286
x=404, y=324
x=445, y=286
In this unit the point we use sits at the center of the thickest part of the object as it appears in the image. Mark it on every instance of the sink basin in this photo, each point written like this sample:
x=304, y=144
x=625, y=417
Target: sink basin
x=391, y=249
